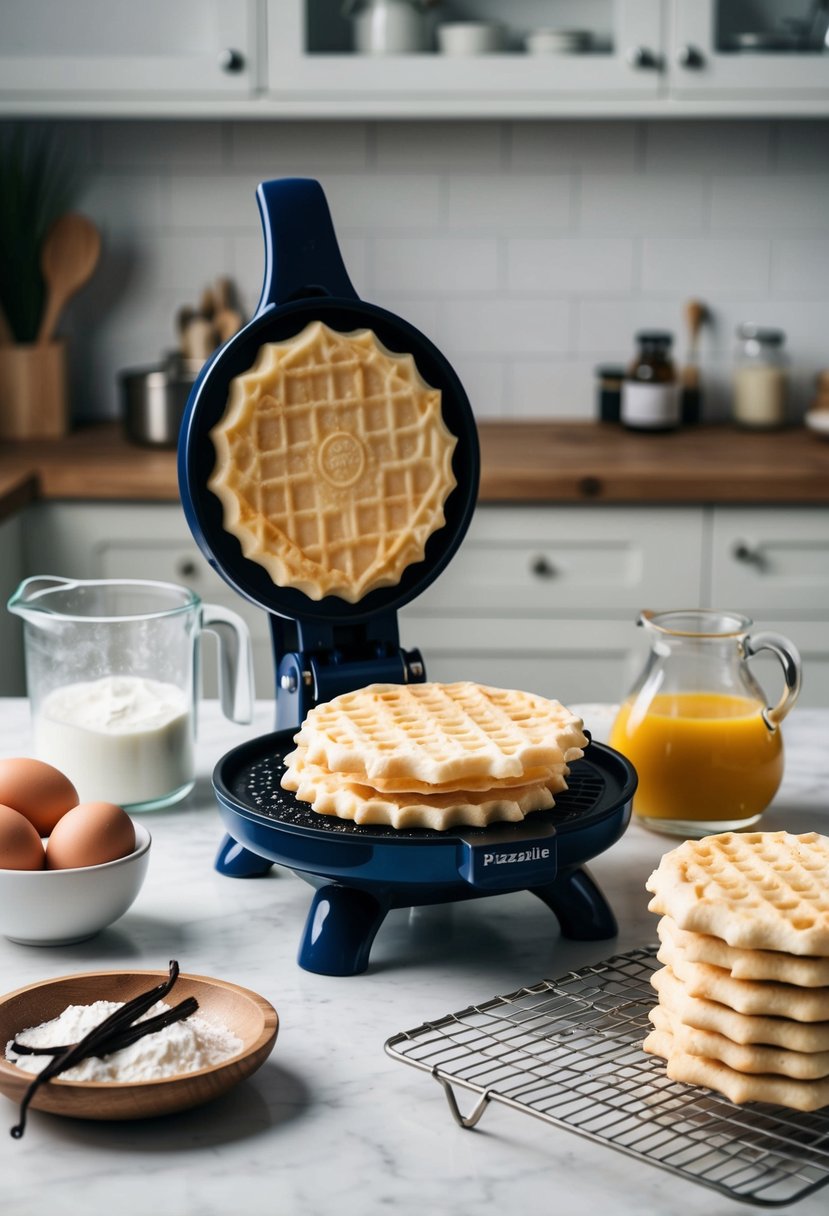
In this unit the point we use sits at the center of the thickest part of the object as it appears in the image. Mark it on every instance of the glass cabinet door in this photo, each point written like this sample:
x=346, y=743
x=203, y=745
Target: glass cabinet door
x=766, y=48
x=313, y=54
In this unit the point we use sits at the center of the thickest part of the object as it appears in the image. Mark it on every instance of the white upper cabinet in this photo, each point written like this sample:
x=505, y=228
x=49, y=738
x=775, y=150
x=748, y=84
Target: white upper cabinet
x=302, y=58
x=113, y=49
x=730, y=49
x=313, y=55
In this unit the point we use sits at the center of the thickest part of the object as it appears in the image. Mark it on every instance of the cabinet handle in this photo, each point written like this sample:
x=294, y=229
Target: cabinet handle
x=542, y=567
x=187, y=568
x=748, y=554
x=231, y=60
x=641, y=57
x=689, y=56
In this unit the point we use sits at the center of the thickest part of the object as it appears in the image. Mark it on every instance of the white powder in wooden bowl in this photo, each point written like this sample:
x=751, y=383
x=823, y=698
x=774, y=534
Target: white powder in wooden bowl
x=183, y=1047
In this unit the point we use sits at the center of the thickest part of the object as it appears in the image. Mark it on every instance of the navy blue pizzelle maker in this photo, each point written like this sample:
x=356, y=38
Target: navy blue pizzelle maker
x=326, y=647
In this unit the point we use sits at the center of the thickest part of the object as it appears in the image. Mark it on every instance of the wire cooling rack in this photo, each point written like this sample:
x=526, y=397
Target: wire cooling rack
x=569, y=1052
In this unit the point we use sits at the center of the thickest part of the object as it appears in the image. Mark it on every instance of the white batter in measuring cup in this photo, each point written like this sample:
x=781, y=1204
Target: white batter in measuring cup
x=112, y=674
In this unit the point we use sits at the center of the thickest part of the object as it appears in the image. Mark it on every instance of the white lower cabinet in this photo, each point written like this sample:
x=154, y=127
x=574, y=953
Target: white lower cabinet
x=543, y=598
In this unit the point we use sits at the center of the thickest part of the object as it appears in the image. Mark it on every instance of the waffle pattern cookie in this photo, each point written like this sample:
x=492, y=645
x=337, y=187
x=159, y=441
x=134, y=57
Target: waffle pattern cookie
x=743, y=999
x=755, y=1058
x=411, y=731
x=440, y=733
x=757, y=890
x=333, y=462
x=744, y=964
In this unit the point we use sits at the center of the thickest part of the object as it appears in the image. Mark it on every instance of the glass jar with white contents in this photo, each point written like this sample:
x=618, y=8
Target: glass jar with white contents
x=761, y=378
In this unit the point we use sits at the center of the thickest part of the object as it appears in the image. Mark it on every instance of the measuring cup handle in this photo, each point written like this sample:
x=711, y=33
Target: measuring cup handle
x=789, y=657
x=302, y=256
x=235, y=661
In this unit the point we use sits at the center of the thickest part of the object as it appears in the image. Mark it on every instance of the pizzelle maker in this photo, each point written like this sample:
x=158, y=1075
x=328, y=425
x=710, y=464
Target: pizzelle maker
x=326, y=647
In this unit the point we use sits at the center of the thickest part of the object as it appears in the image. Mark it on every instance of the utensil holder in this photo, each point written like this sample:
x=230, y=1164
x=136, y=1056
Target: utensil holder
x=33, y=391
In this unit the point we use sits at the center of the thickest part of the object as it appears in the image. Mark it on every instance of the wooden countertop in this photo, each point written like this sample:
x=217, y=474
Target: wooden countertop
x=522, y=462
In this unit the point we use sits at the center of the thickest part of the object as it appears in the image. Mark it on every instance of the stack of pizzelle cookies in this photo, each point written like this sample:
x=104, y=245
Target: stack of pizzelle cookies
x=433, y=755
x=744, y=988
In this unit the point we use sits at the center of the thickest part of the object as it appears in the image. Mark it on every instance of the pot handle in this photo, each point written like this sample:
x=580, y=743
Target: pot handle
x=235, y=661
x=789, y=658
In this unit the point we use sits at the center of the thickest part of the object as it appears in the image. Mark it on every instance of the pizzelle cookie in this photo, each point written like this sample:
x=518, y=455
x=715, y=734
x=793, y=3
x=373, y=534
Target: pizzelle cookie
x=440, y=733
x=745, y=964
x=757, y=890
x=298, y=764
x=333, y=462
x=742, y=1028
x=757, y=1058
x=763, y=997
x=738, y=1087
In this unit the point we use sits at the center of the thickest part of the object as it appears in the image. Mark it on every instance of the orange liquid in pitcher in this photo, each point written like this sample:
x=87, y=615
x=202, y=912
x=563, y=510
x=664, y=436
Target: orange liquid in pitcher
x=700, y=756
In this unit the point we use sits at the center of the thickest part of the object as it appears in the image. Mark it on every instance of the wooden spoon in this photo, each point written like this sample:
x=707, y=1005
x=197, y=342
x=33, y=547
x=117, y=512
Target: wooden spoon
x=69, y=255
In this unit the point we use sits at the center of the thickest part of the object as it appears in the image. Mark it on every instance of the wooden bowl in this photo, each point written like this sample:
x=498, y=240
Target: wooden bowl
x=249, y=1016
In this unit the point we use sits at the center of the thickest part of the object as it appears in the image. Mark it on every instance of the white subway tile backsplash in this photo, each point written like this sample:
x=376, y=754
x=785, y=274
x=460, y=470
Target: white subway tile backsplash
x=800, y=267
x=528, y=251
x=369, y=202
x=569, y=264
x=742, y=146
x=436, y=265
x=703, y=266
x=642, y=203
x=514, y=200
x=421, y=147
x=789, y=203
x=802, y=147
x=547, y=388
x=155, y=144
x=561, y=147
x=279, y=149
x=505, y=326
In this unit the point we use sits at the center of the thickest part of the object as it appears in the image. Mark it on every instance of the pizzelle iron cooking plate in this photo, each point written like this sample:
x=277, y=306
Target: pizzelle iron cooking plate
x=362, y=872
x=326, y=647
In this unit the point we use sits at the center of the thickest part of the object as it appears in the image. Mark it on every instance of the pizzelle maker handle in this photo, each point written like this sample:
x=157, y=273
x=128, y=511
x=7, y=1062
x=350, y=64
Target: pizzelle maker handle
x=302, y=257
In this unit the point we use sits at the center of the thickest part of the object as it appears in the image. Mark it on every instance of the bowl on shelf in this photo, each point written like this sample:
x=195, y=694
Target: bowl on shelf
x=58, y=907
x=818, y=422
x=471, y=37
x=246, y=1014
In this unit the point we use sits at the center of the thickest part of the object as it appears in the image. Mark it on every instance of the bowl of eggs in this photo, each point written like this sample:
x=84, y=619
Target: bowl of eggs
x=67, y=869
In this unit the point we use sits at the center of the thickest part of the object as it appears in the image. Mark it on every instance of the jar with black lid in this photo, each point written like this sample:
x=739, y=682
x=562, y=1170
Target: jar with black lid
x=609, y=379
x=650, y=393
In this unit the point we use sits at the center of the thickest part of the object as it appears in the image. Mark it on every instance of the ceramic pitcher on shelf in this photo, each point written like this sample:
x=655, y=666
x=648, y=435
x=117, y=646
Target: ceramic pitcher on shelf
x=387, y=27
x=698, y=728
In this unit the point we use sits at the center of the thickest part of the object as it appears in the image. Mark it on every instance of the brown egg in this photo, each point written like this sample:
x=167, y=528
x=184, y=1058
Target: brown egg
x=36, y=790
x=89, y=835
x=20, y=845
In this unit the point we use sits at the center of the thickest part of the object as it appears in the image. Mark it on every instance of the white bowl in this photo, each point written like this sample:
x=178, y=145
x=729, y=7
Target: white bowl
x=818, y=422
x=470, y=37
x=56, y=907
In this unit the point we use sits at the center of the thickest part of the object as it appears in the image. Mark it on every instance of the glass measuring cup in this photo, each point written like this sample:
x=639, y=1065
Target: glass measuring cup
x=112, y=673
x=697, y=727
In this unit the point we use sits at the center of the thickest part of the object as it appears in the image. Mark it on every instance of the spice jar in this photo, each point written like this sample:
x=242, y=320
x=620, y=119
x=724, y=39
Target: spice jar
x=609, y=378
x=760, y=378
x=650, y=393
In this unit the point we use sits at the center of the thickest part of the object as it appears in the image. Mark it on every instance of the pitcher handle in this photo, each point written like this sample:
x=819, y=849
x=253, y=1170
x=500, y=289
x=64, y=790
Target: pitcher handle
x=235, y=661
x=789, y=657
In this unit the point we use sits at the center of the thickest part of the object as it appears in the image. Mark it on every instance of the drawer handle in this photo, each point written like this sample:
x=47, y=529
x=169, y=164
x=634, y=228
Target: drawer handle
x=187, y=568
x=749, y=555
x=542, y=567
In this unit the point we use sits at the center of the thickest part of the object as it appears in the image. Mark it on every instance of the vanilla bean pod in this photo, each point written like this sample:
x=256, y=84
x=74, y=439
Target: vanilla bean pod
x=119, y=1020
x=123, y=1038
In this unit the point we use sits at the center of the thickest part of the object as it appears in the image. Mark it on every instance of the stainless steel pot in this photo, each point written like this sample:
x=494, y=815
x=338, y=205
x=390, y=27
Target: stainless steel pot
x=153, y=400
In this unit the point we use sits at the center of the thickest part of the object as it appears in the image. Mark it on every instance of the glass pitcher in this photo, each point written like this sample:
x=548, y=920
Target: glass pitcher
x=697, y=727
x=112, y=673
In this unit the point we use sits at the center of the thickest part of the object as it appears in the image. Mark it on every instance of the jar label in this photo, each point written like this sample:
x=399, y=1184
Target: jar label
x=650, y=405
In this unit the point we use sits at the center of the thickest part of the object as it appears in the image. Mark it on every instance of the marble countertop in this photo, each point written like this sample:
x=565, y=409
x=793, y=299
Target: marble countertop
x=330, y=1123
